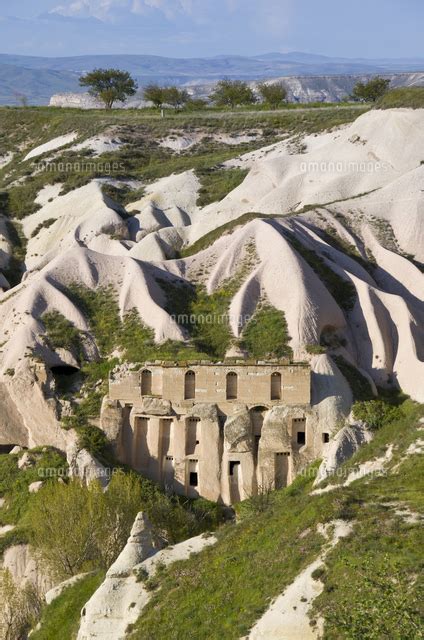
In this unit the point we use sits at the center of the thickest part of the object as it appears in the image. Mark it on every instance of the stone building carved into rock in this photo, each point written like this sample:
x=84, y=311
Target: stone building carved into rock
x=222, y=431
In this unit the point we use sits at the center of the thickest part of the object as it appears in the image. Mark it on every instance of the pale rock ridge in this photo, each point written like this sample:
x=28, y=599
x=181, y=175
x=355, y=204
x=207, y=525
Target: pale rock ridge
x=25, y=567
x=287, y=617
x=374, y=467
x=83, y=465
x=57, y=590
x=51, y=145
x=342, y=447
x=121, y=598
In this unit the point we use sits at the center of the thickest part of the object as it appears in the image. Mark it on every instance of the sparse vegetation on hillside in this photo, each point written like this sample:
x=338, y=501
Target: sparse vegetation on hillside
x=332, y=237
x=342, y=290
x=403, y=97
x=61, y=618
x=209, y=238
x=15, y=267
x=14, y=483
x=140, y=158
x=217, y=183
x=61, y=333
x=223, y=591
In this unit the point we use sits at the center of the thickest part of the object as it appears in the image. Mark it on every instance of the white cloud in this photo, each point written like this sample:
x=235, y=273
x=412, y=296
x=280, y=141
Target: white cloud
x=197, y=10
x=100, y=9
x=215, y=20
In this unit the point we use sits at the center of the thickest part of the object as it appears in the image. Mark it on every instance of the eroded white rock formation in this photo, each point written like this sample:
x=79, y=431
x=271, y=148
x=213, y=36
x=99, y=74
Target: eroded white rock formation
x=120, y=599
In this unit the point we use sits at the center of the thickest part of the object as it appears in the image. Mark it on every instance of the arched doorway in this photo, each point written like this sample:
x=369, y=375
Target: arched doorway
x=189, y=385
x=146, y=382
x=231, y=386
x=276, y=386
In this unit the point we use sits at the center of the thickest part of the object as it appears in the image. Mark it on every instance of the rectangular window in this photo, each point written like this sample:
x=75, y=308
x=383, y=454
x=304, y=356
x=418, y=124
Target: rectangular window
x=301, y=439
x=234, y=464
x=192, y=435
x=326, y=437
x=193, y=479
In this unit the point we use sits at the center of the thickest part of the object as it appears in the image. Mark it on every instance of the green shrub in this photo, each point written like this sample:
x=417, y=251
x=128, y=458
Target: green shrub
x=318, y=573
x=375, y=413
x=94, y=542
x=266, y=334
x=95, y=441
x=61, y=333
x=343, y=291
x=43, y=225
x=315, y=349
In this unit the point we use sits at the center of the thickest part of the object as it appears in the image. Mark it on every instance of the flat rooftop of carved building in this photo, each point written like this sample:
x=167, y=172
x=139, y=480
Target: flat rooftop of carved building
x=282, y=362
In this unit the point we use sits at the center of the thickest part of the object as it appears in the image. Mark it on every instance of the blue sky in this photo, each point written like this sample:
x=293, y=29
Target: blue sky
x=194, y=28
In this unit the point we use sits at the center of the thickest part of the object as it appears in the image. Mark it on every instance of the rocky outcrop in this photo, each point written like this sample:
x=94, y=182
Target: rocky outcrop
x=111, y=419
x=75, y=100
x=155, y=406
x=238, y=436
x=120, y=599
x=342, y=447
x=83, y=465
x=25, y=567
x=32, y=407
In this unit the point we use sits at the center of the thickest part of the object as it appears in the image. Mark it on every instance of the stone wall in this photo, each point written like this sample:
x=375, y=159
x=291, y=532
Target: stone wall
x=253, y=383
x=208, y=444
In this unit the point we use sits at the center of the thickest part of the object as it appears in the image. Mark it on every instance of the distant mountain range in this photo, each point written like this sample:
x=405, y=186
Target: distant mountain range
x=38, y=78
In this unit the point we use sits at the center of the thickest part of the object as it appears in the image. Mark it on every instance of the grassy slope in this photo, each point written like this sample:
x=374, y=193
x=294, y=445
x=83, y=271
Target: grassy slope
x=14, y=483
x=61, y=618
x=140, y=130
x=223, y=592
x=411, y=97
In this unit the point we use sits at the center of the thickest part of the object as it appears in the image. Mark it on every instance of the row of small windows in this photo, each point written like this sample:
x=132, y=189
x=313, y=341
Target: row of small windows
x=190, y=385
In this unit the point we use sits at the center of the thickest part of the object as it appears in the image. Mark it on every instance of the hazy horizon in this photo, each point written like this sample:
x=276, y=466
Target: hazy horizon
x=208, y=28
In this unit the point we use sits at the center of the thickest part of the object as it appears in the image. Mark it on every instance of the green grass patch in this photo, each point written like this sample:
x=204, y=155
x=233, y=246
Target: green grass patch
x=266, y=334
x=402, y=97
x=43, y=225
x=61, y=333
x=342, y=290
x=61, y=618
x=217, y=183
x=225, y=229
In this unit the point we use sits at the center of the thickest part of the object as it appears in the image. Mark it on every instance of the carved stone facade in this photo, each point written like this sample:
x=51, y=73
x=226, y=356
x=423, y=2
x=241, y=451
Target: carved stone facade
x=221, y=431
